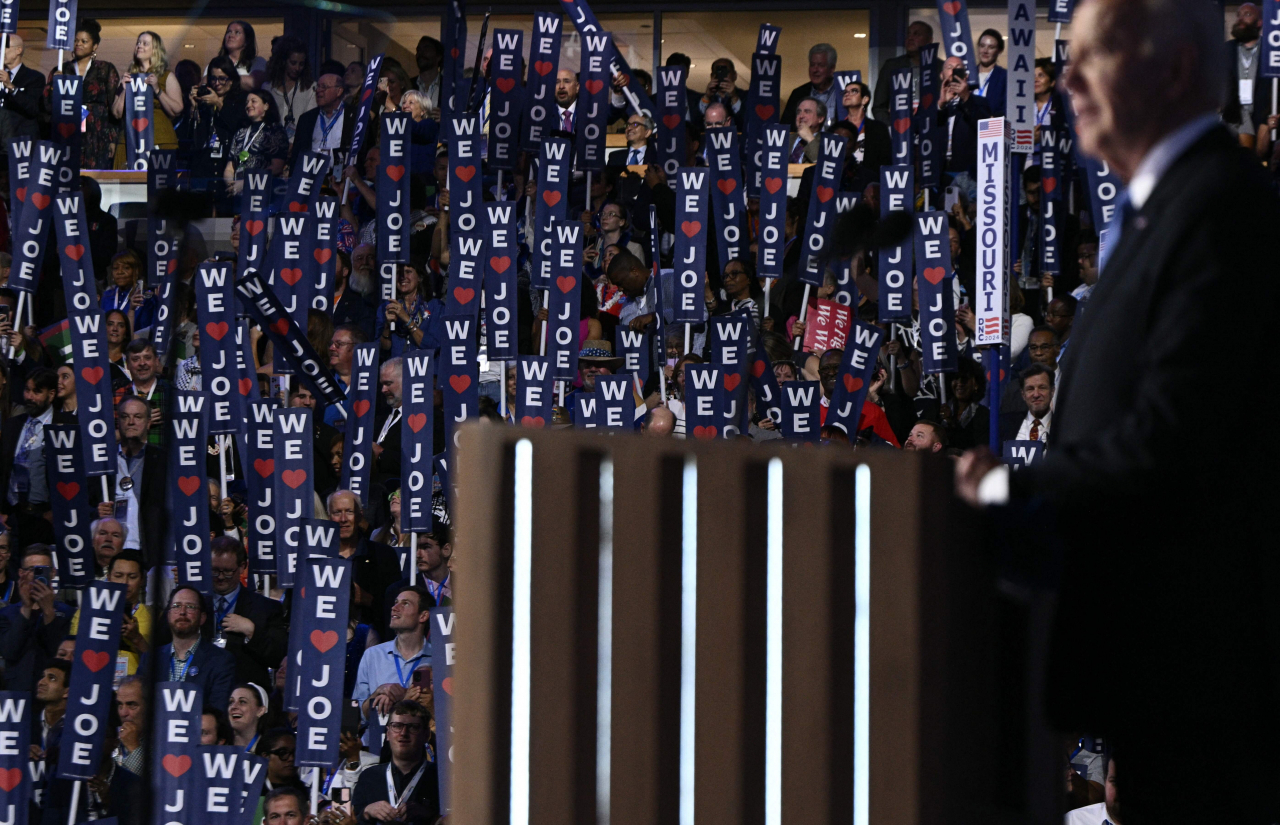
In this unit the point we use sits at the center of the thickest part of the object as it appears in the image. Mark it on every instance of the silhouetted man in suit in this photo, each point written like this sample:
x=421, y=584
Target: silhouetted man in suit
x=1164, y=540
x=20, y=92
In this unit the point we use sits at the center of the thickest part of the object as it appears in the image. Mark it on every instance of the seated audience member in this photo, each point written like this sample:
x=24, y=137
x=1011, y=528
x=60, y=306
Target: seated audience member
x=926, y=437
x=1036, y=383
x=33, y=626
x=407, y=791
x=190, y=658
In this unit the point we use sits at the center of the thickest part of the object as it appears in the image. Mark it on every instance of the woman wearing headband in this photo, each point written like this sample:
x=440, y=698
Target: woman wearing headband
x=247, y=707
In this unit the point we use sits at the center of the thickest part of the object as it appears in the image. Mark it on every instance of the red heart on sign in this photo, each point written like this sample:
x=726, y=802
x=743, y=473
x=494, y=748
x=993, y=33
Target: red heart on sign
x=773, y=185
x=934, y=274
x=852, y=384
x=505, y=84
x=294, y=478
x=9, y=778
x=731, y=381
x=566, y=283
x=671, y=121
x=463, y=294
x=91, y=374
x=690, y=228
x=189, y=485
x=361, y=407
x=254, y=227
x=454, y=52
x=465, y=173
x=764, y=112
x=40, y=200
x=76, y=252
x=459, y=382
x=417, y=421
x=280, y=326
x=446, y=684
x=550, y=198
x=22, y=194
x=294, y=206
x=543, y=67
x=530, y=421
x=246, y=384
x=757, y=369
x=1049, y=184
x=68, y=489
x=217, y=330
x=499, y=265
x=322, y=256
x=902, y=124
x=264, y=466
x=323, y=640
x=926, y=100
x=594, y=86
x=952, y=7
x=704, y=433
x=291, y=276
x=139, y=123
x=825, y=193
x=176, y=765
x=95, y=660
x=397, y=172
x=727, y=185
x=66, y=130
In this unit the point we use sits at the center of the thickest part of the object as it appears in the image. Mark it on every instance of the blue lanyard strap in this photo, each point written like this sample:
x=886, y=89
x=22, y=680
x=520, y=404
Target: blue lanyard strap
x=404, y=682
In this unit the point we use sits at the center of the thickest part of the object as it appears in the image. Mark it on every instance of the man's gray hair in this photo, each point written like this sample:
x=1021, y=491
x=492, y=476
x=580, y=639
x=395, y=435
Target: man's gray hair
x=124, y=528
x=828, y=50
x=822, y=106
x=355, y=503
x=394, y=363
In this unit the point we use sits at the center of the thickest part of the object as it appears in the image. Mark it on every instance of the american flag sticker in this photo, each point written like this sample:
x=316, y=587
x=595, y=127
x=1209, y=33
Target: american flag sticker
x=991, y=128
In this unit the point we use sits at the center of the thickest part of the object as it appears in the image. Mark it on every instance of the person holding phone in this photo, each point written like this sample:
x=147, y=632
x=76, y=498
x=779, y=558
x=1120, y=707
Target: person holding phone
x=961, y=109
x=386, y=671
x=32, y=627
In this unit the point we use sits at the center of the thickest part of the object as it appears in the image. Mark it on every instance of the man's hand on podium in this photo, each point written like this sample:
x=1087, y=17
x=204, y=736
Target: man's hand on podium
x=971, y=469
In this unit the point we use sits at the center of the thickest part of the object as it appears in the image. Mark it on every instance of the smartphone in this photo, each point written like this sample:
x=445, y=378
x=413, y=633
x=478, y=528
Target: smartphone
x=202, y=90
x=422, y=678
x=351, y=718
x=42, y=573
x=5, y=312
x=951, y=197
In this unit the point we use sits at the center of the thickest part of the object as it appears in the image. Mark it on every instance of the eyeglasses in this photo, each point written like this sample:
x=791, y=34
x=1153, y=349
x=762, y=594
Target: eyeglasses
x=283, y=753
x=182, y=607
x=219, y=80
x=735, y=273
x=398, y=727
x=635, y=125
x=225, y=574
x=335, y=344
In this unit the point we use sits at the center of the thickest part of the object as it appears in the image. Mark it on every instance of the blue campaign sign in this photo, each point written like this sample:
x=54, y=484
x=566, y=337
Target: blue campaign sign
x=704, y=401
x=801, y=410
x=1050, y=205
x=459, y=373
x=551, y=205
x=260, y=477
x=822, y=209
x=593, y=101
x=253, y=775
x=586, y=23
x=933, y=156
x=957, y=38
x=31, y=225
x=92, y=671
x=162, y=247
x=617, y=402
x=466, y=271
x=564, y=309
x=587, y=416
x=1104, y=188
x=372, y=73
x=730, y=336
x=216, y=315
x=218, y=790
x=935, y=281
x=541, y=111
x=319, y=537
x=320, y=244
x=633, y=347
x=255, y=204
x=842, y=80
x=765, y=384
x=357, y=446
x=1020, y=100
x=1060, y=11
x=306, y=180
x=20, y=162
x=533, y=391
x=500, y=270
x=393, y=198
x=442, y=689
x=506, y=97
x=900, y=109
x=724, y=157
x=466, y=179
x=1018, y=454
x=854, y=380
x=896, y=195
x=323, y=609
x=673, y=111
x=175, y=747
x=189, y=489
x=417, y=441
x=69, y=504
x=286, y=274
x=690, y=259
x=771, y=245
x=139, y=121
x=294, y=456
x=926, y=114
x=846, y=293
x=767, y=40
x=15, y=745
x=67, y=96
x=763, y=108
x=1270, y=66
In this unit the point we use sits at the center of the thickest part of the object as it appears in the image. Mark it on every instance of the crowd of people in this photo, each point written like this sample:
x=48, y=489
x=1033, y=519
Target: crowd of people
x=255, y=108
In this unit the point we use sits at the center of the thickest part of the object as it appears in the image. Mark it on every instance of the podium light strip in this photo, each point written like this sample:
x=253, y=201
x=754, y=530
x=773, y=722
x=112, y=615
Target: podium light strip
x=604, y=646
x=773, y=651
x=521, y=632
x=688, y=634
x=862, y=646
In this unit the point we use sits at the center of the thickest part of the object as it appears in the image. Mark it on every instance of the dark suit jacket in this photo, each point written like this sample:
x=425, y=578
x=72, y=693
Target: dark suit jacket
x=884, y=84
x=618, y=157
x=964, y=135
x=375, y=566
x=352, y=309
x=27, y=643
x=1186, y=595
x=1010, y=423
x=1231, y=112
x=387, y=465
x=20, y=109
x=270, y=640
x=306, y=127
x=11, y=430
x=212, y=668
x=997, y=95
x=877, y=151
x=154, y=520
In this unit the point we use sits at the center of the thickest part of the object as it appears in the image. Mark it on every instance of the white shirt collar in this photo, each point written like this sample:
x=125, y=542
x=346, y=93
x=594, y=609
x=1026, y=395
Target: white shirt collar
x=1044, y=419
x=1163, y=155
x=46, y=417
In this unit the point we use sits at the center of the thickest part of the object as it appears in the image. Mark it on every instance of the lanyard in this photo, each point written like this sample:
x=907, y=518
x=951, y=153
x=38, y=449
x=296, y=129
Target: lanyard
x=1041, y=113
x=174, y=675
x=408, y=789
x=391, y=419
x=231, y=606
x=326, y=128
x=982, y=90
x=76, y=63
x=404, y=682
x=8, y=594
x=249, y=748
x=438, y=589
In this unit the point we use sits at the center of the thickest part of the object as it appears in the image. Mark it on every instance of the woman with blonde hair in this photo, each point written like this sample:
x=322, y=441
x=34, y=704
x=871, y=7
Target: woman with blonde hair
x=151, y=60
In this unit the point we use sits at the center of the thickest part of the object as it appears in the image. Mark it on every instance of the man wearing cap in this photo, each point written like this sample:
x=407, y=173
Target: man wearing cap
x=595, y=358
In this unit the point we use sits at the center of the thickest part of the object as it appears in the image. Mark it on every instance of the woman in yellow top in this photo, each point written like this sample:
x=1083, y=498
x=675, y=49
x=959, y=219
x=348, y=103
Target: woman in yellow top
x=135, y=631
x=149, y=58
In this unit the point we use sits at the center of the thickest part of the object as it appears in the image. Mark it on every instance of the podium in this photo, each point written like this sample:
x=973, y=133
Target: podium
x=664, y=631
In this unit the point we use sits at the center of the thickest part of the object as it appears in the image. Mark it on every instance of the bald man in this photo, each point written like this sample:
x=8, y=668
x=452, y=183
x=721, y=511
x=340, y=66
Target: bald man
x=660, y=422
x=1187, y=646
x=20, y=92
